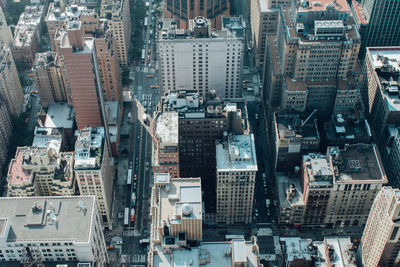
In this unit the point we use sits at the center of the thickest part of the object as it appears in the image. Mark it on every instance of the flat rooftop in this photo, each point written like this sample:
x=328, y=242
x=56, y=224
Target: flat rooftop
x=112, y=110
x=183, y=195
x=167, y=127
x=60, y=115
x=236, y=153
x=296, y=125
x=16, y=173
x=209, y=254
x=357, y=162
x=88, y=148
x=318, y=168
x=20, y=222
x=341, y=249
x=46, y=137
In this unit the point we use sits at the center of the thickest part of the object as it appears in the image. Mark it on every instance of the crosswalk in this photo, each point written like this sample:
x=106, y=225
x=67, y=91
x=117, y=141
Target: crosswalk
x=145, y=69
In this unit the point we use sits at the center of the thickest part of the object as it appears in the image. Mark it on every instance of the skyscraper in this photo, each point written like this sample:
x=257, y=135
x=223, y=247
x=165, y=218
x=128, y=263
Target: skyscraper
x=5, y=132
x=185, y=10
x=202, y=59
x=378, y=22
x=381, y=238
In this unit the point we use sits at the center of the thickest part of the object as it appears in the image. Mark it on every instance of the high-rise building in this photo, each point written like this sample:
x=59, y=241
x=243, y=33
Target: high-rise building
x=184, y=11
x=53, y=229
x=264, y=16
x=200, y=122
x=26, y=35
x=176, y=209
x=202, y=59
x=381, y=90
x=339, y=187
x=315, y=47
x=48, y=77
x=381, y=238
x=41, y=171
x=236, y=175
x=80, y=71
x=5, y=132
x=94, y=170
x=10, y=86
x=118, y=12
x=378, y=23
x=5, y=32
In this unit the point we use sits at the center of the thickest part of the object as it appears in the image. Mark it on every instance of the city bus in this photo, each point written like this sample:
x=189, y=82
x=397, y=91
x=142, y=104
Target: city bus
x=129, y=179
x=126, y=216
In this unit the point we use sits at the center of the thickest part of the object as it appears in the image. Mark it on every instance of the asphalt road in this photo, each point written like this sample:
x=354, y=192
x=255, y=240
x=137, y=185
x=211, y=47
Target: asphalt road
x=140, y=149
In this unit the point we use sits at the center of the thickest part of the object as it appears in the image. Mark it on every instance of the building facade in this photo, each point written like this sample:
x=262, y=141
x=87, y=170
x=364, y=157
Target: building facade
x=41, y=171
x=314, y=48
x=176, y=209
x=184, y=10
x=339, y=187
x=236, y=173
x=202, y=59
x=5, y=132
x=48, y=77
x=41, y=228
x=264, y=16
x=10, y=86
x=94, y=170
x=5, y=32
x=378, y=23
x=380, y=240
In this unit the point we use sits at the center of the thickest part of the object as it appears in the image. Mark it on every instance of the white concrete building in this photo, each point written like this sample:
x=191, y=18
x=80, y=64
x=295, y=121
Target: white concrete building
x=5, y=32
x=53, y=229
x=380, y=240
x=236, y=174
x=94, y=170
x=202, y=59
x=176, y=209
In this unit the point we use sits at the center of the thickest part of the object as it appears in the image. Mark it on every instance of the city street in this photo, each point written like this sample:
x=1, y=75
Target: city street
x=139, y=151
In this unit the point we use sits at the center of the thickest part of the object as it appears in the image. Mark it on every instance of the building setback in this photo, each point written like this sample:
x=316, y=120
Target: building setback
x=52, y=229
x=202, y=59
